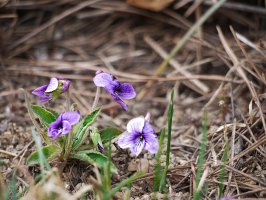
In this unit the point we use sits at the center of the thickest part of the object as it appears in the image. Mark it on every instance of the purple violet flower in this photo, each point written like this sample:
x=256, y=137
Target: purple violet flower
x=226, y=198
x=51, y=91
x=139, y=135
x=118, y=91
x=63, y=124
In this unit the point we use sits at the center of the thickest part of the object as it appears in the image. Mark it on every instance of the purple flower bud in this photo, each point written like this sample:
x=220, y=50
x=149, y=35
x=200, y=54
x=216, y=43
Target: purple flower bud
x=55, y=87
x=63, y=124
x=100, y=148
x=118, y=91
x=139, y=135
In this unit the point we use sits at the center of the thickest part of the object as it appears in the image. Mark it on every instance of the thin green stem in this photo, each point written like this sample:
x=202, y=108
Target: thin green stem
x=189, y=33
x=68, y=100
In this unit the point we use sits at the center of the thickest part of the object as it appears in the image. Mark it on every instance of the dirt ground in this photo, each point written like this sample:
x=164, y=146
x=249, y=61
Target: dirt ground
x=220, y=69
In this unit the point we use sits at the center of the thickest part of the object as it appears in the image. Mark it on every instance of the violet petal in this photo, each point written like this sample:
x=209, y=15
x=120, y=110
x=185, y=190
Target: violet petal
x=40, y=91
x=102, y=79
x=152, y=144
x=66, y=127
x=54, y=133
x=66, y=84
x=136, y=125
x=120, y=101
x=126, y=140
x=53, y=85
x=126, y=91
x=71, y=117
x=137, y=146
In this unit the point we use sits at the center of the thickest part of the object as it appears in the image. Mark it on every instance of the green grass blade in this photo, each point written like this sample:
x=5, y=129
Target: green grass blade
x=42, y=160
x=224, y=160
x=158, y=168
x=124, y=183
x=169, y=135
x=201, y=156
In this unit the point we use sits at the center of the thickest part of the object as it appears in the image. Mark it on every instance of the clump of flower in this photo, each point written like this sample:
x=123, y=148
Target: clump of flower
x=63, y=124
x=51, y=91
x=66, y=134
x=139, y=135
x=117, y=90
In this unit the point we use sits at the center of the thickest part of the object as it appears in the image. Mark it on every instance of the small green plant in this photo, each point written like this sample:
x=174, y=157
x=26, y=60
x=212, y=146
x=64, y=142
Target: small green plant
x=65, y=133
x=68, y=135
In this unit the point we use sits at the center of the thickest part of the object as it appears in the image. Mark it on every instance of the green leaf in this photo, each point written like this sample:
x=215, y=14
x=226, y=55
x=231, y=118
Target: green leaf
x=158, y=168
x=83, y=128
x=109, y=134
x=49, y=152
x=46, y=116
x=94, y=158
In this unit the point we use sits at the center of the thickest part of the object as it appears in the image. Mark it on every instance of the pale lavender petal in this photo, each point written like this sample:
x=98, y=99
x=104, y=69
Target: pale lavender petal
x=126, y=91
x=147, y=117
x=103, y=79
x=40, y=91
x=148, y=129
x=136, y=125
x=66, y=127
x=98, y=72
x=137, y=147
x=53, y=85
x=71, y=117
x=152, y=144
x=120, y=101
x=126, y=140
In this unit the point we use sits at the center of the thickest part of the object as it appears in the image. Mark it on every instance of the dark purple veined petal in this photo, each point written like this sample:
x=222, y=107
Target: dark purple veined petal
x=53, y=85
x=137, y=146
x=126, y=91
x=136, y=125
x=120, y=101
x=71, y=117
x=66, y=127
x=54, y=127
x=103, y=79
x=126, y=140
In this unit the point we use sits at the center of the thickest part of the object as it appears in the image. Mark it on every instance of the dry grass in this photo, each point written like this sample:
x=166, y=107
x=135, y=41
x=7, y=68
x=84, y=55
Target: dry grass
x=221, y=69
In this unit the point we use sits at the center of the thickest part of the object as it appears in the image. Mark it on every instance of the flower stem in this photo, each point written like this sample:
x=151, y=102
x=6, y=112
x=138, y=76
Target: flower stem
x=68, y=100
x=96, y=99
